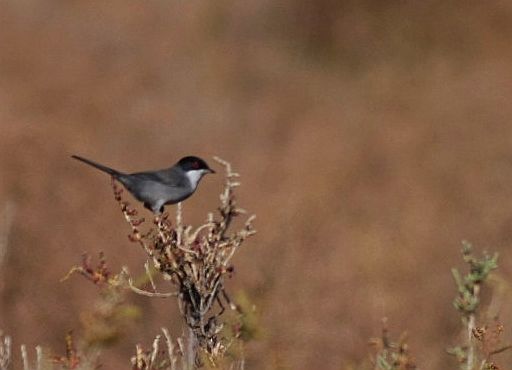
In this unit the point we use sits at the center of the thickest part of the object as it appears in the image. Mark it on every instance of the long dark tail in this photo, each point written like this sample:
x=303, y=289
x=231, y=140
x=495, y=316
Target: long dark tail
x=100, y=167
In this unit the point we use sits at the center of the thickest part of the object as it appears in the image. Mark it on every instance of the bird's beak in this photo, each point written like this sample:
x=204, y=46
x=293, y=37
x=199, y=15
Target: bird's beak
x=211, y=171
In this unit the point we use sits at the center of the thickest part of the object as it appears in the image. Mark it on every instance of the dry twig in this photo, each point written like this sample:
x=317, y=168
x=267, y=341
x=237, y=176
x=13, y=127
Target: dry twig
x=195, y=260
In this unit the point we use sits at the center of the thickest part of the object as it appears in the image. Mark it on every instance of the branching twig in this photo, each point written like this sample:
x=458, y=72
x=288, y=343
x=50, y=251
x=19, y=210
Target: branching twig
x=145, y=292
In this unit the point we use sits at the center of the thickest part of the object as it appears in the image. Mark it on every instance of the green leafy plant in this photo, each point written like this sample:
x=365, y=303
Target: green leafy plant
x=482, y=342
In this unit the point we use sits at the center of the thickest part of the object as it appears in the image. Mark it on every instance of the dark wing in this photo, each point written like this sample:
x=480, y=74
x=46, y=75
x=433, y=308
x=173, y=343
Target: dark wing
x=170, y=176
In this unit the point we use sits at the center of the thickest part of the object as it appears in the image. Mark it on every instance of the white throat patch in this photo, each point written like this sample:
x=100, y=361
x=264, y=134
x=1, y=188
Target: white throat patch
x=194, y=176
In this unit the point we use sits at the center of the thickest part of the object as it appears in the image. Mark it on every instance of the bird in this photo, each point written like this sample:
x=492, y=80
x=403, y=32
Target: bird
x=155, y=189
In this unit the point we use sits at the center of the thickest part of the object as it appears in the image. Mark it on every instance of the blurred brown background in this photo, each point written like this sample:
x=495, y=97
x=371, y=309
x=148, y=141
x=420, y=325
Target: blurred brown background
x=372, y=137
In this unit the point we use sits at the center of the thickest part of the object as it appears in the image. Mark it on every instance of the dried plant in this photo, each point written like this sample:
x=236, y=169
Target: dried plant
x=168, y=354
x=6, y=355
x=391, y=355
x=5, y=351
x=489, y=340
x=172, y=357
x=196, y=262
x=71, y=360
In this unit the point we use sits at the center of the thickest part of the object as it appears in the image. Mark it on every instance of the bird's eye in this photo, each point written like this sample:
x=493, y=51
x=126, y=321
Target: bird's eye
x=195, y=165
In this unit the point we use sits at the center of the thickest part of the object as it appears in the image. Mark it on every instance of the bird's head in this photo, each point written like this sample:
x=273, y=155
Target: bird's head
x=195, y=168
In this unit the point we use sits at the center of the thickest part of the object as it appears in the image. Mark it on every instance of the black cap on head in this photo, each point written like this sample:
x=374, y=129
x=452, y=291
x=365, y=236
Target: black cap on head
x=192, y=163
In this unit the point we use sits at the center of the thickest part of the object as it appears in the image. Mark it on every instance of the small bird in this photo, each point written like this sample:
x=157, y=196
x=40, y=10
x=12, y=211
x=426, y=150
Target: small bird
x=155, y=189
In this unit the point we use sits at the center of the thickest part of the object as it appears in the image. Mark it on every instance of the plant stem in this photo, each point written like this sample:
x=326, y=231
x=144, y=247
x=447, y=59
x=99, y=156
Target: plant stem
x=471, y=325
x=191, y=350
